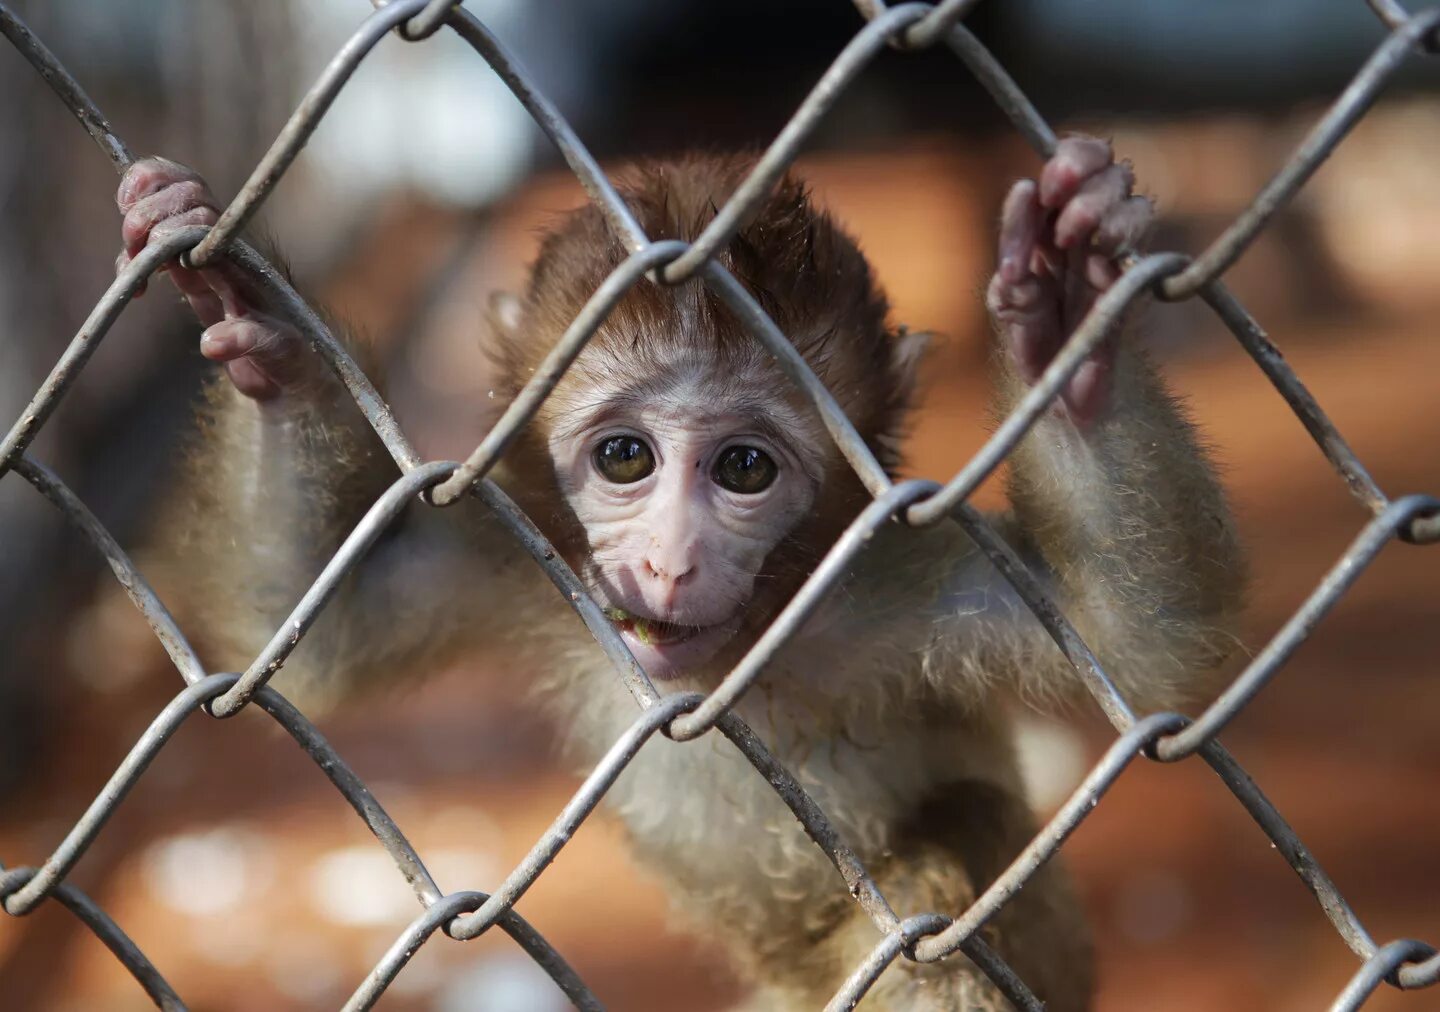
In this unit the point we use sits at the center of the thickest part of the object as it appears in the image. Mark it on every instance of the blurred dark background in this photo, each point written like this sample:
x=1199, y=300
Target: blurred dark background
x=250, y=883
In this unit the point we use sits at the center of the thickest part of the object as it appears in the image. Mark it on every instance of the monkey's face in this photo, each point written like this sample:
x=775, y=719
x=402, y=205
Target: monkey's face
x=683, y=487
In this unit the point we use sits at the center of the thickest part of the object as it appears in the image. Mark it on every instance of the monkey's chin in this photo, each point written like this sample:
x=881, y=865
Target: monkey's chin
x=670, y=651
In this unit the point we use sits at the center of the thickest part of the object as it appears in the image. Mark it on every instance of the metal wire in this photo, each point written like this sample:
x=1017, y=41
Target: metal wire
x=461, y=915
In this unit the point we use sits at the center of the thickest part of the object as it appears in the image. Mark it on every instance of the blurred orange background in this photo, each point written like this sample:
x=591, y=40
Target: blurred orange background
x=250, y=883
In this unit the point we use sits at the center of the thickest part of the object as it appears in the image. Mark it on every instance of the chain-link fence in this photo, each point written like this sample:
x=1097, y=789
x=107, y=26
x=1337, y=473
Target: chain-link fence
x=1164, y=737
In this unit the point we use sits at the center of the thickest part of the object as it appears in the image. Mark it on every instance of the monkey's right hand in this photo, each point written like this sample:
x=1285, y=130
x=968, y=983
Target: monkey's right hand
x=264, y=356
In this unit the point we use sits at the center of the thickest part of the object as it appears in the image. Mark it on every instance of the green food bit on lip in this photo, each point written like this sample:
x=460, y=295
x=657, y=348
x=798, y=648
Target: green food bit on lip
x=643, y=629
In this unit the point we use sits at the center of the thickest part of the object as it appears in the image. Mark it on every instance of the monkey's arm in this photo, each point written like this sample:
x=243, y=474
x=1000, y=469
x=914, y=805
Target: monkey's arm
x=282, y=470
x=1129, y=528
x=269, y=493
x=1112, y=496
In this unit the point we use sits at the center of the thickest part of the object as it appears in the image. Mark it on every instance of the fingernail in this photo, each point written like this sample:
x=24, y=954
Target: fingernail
x=126, y=196
x=214, y=346
x=1062, y=180
x=224, y=342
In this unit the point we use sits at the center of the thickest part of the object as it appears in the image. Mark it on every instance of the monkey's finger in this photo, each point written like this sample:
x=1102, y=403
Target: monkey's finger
x=190, y=198
x=1023, y=278
x=1101, y=271
x=206, y=306
x=1050, y=261
x=253, y=380
x=213, y=292
x=1096, y=198
x=1027, y=316
x=150, y=175
x=263, y=355
x=190, y=284
x=1076, y=159
x=231, y=287
x=261, y=336
x=1124, y=225
x=222, y=280
x=197, y=290
x=1007, y=298
x=1021, y=221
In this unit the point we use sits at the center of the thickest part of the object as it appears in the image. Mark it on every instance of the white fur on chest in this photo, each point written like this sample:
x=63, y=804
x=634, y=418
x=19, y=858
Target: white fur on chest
x=844, y=707
x=703, y=816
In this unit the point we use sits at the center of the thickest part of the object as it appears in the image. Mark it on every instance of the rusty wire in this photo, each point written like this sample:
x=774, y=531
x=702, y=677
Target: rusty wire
x=1404, y=963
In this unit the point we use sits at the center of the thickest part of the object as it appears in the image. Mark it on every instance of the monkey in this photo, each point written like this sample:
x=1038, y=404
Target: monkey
x=693, y=490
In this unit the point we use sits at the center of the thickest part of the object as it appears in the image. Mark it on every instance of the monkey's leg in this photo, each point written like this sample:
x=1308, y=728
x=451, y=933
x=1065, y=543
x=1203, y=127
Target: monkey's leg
x=953, y=847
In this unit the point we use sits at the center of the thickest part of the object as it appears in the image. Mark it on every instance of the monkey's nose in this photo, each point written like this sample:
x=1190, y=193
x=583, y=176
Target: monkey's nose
x=666, y=576
x=665, y=580
x=668, y=572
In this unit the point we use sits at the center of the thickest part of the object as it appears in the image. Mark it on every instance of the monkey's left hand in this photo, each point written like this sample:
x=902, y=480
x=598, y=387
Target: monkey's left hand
x=1059, y=238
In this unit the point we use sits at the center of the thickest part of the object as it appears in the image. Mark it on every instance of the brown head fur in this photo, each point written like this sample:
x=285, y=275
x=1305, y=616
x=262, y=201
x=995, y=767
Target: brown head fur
x=801, y=267
x=792, y=257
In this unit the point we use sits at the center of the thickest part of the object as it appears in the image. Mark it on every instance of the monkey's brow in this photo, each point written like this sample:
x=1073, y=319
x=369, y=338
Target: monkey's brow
x=762, y=413
x=767, y=425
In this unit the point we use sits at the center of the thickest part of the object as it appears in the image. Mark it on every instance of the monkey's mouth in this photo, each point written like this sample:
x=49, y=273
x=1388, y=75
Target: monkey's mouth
x=652, y=632
x=669, y=649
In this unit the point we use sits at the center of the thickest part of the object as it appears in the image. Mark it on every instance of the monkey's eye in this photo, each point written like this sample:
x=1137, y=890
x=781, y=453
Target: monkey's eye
x=745, y=470
x=624, y=459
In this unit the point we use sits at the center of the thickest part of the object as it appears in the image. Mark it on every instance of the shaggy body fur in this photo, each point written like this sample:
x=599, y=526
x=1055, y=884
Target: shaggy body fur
x=885, y=707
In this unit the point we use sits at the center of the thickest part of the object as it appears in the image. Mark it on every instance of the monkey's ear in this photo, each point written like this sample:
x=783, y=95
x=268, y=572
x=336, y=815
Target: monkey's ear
x=908, y=350
x=504, y=312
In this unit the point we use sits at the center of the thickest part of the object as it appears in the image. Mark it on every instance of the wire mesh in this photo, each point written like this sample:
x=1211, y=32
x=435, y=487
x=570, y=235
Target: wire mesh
x=1165, y=737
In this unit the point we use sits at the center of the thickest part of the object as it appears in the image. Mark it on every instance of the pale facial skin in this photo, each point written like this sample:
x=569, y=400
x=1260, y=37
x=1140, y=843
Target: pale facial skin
x=678, y=525
x=682, y=500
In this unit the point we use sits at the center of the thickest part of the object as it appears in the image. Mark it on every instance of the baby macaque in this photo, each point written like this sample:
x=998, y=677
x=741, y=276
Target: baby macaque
x=693, y=489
